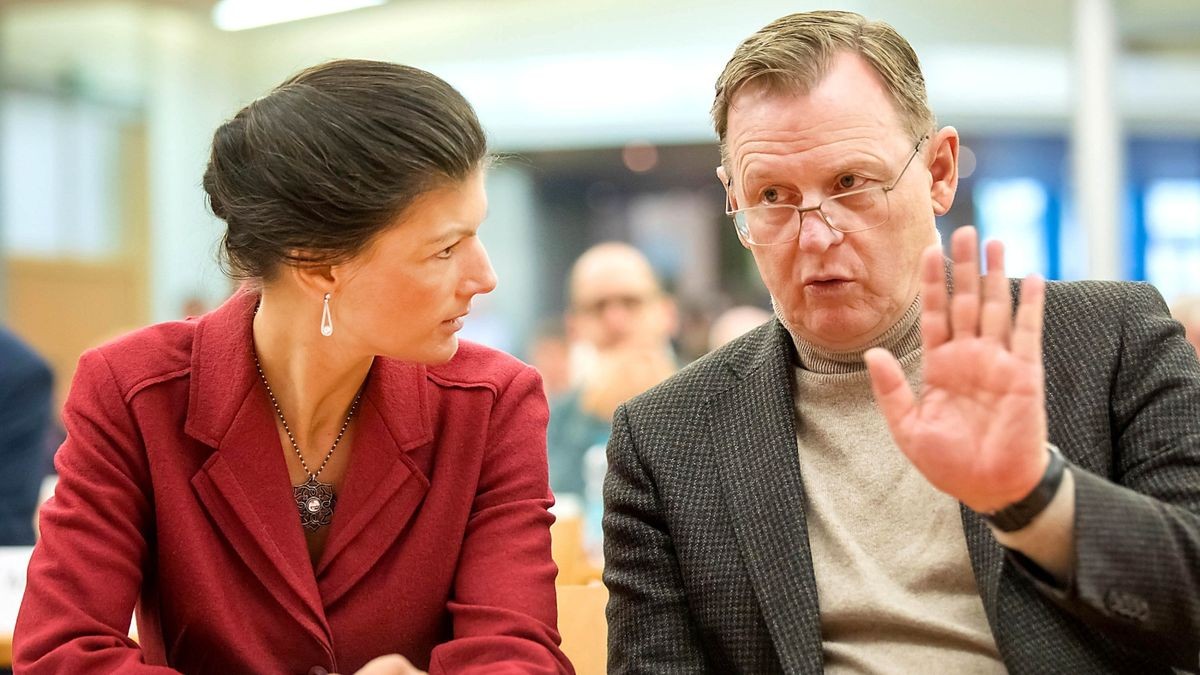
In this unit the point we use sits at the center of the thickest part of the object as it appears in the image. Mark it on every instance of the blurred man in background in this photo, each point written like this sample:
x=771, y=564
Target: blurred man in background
x=26, y=395
x=734, y=323
x=619, y=323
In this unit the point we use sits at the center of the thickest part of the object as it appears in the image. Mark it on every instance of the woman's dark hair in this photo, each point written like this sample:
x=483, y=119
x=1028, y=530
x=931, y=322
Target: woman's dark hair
x=311, y=172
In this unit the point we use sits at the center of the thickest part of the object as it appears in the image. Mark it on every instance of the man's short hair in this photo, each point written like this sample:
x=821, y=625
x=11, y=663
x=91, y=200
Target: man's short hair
x=792, y=54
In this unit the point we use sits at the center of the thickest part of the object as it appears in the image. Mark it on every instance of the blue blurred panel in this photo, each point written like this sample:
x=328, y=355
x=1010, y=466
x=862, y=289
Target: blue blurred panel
x=1018, y=194
x=1014, y=210
x=1164, y=240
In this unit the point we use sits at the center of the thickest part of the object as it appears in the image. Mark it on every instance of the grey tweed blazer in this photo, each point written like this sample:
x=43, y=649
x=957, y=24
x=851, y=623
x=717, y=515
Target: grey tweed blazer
x=707, y=557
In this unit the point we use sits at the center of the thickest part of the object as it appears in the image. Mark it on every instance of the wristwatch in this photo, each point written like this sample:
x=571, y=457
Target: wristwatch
x=1020, y=513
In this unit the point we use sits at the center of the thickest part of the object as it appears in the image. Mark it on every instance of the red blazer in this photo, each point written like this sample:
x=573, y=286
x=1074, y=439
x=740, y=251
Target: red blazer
x=174, y=495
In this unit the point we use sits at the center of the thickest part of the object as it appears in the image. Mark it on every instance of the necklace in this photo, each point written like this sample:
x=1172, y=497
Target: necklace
x=314, y=499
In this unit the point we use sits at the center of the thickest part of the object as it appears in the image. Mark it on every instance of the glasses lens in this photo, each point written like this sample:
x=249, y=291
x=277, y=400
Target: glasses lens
x=768, y=224
x=856, y=211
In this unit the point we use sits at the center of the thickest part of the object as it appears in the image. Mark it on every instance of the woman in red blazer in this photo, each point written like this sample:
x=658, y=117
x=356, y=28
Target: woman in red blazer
x=317, y=473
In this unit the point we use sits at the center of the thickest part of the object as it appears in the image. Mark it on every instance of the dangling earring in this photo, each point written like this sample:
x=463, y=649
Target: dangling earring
x=326, y=319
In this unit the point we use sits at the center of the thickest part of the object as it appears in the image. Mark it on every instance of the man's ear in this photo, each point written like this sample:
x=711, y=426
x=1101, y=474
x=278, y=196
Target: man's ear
x=723, y=176
x=730, y=196
x=944, y=169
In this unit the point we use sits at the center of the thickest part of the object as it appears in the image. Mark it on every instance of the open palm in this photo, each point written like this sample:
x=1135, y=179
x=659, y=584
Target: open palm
x=978, y=430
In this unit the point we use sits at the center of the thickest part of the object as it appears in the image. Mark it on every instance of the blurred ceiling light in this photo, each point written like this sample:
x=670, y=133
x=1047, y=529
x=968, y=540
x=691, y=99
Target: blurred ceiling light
x=639, y=156
x=243, y=14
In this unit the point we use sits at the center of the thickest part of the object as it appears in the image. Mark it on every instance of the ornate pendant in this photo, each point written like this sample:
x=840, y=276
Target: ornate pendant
x=315, y=501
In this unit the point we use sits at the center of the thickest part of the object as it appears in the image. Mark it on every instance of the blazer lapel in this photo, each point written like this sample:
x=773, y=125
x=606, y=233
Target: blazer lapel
x=244, y=485
x=753, y=431
x=383, y=487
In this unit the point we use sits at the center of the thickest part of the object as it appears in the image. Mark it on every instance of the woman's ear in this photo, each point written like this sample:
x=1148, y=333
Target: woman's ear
x=944, y=169
x=313, y=279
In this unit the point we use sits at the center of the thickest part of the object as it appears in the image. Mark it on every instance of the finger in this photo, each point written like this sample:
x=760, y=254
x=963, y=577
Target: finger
x=1027, y=334
x=935, y=324
x=389, y=664
x=892, y=393
x=995, y=320
x=964, y=305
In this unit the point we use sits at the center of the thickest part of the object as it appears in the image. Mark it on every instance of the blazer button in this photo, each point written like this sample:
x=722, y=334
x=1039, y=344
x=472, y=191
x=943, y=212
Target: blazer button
x=1128, y=605
x=317, y=670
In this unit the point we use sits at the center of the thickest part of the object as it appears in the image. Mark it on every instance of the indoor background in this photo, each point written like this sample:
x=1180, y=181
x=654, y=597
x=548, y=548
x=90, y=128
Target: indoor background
x=1080, y=122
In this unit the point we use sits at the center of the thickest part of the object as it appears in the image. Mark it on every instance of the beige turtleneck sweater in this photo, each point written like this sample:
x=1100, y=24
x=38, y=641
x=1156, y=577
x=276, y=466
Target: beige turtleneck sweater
x=894, y=579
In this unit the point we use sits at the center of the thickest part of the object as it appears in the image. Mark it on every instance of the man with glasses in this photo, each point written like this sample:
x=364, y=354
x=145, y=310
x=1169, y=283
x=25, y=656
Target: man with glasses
x=791, y=504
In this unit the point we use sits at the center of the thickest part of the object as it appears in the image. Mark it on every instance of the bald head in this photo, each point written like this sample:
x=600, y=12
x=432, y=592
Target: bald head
x=1187, y=312
x=612, y=265
x=616, y=298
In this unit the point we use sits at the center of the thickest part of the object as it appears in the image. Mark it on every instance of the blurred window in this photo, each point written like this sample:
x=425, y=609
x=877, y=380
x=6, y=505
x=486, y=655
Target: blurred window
x=59, y=173
x=1172, y=218
x=1164, y=240
x=1013, y=187
x=1014, y=210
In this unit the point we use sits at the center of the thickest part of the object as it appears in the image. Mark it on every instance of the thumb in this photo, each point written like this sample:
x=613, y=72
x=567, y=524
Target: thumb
x=892, y=393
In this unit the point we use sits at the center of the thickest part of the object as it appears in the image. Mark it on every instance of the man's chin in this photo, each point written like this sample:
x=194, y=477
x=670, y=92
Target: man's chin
x=835, y=330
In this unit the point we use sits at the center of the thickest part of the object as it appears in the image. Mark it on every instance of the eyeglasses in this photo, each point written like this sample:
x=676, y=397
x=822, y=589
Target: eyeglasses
x=628, y=303
x=854, y=211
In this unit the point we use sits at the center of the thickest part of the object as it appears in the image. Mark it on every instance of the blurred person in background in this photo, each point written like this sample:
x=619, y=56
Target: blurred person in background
x=549, y=353
x=1186, y=311
x=317, y=473
x=26, y=410
x=789, y=504
x=734, y=323
x=619, y=324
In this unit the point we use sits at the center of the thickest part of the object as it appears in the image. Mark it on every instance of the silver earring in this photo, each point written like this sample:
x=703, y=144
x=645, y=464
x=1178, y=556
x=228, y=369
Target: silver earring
x=326, y=319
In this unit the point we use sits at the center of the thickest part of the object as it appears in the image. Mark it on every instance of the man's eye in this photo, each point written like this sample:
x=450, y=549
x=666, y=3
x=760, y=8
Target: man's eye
x=847, y=181
x=778, y=195
x=445, y=253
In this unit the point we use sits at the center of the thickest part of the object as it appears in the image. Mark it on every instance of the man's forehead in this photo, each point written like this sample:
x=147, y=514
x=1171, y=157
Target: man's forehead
x=850, y=96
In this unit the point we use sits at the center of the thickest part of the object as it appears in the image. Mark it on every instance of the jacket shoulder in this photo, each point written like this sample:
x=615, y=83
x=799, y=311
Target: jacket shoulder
x=20, y=365
x=1097, y=294
x=476, y=365
x=710, y=374
x=1099, y=308
x=147, y=355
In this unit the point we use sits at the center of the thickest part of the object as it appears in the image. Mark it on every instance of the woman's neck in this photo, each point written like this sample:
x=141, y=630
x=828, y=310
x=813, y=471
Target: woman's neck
x=314, y=377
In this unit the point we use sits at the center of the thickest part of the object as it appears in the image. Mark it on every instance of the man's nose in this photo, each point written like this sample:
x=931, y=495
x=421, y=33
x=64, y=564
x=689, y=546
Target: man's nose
x=815, y=233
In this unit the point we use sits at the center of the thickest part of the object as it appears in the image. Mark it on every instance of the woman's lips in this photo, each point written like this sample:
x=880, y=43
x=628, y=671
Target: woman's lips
x=456, y=323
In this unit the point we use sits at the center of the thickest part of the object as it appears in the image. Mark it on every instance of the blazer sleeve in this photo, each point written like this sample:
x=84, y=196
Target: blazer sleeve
x=86, y=571
x=503, y=604
x=26, y=396
x=1137, y=539
x=649, y=625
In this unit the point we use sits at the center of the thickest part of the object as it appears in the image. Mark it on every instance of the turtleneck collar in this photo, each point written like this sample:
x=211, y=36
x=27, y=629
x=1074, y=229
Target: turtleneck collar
x=902, y=339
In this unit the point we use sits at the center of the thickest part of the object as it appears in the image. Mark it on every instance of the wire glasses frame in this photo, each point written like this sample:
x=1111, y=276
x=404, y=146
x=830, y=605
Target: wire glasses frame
x=864, y=209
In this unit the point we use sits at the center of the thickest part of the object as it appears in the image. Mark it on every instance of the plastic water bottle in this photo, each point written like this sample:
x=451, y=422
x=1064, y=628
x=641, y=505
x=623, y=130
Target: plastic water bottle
x=595, y=465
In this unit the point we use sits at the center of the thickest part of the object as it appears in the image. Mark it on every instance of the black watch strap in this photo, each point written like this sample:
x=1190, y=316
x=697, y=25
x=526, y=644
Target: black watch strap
x=1019, y=514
